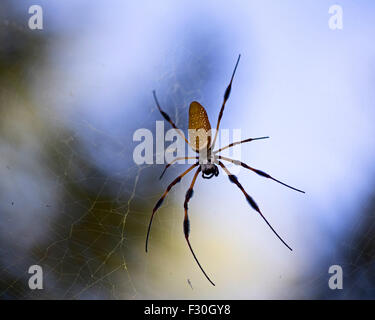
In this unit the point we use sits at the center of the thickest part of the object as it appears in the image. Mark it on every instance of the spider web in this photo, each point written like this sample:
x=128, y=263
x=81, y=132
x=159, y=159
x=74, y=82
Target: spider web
x=85, y=225
x=74, y=202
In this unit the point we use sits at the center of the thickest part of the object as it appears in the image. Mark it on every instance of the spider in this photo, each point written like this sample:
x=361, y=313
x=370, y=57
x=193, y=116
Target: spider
x=207, y=161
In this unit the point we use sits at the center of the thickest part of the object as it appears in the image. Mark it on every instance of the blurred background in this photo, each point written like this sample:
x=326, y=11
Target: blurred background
x=73, y=201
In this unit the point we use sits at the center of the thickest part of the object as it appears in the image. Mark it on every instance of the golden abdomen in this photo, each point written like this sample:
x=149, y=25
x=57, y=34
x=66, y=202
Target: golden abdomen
x=199, y=127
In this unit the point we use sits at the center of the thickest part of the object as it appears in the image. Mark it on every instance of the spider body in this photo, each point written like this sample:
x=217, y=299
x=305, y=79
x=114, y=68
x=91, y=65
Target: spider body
x=206, y=162
x=200, y=132
x=208, y=166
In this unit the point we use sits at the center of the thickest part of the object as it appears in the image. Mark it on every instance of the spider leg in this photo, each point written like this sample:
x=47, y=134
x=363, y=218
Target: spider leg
x=239, y=142
x=259, y=172
x=166, y=117
x=173, y=161
x=160, y=201
x=226, y=97
x=188, y=196
x=233, y=179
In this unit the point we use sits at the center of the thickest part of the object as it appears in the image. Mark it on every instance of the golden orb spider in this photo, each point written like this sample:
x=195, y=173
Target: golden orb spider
x=206, y=162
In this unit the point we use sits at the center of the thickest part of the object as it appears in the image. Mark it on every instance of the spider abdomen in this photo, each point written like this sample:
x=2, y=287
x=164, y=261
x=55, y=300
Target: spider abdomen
x=199, y=127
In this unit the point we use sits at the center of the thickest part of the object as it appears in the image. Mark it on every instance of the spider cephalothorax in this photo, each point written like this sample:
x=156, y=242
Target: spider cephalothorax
x=208, y=165
x=206, y=161
x=209, y=170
